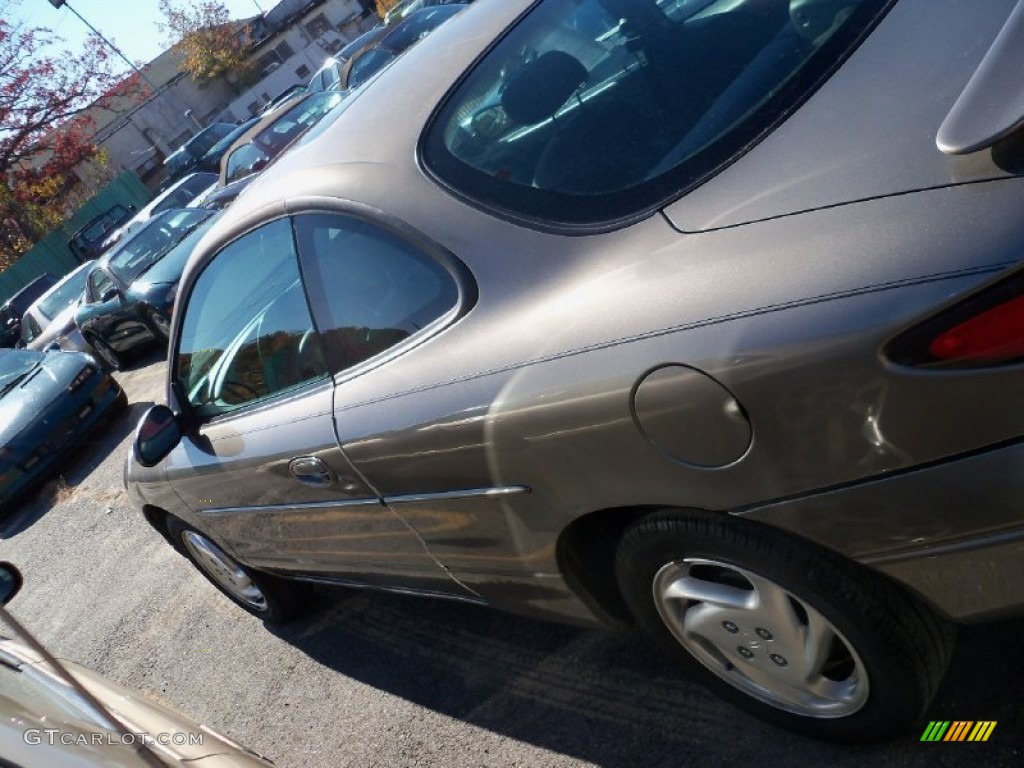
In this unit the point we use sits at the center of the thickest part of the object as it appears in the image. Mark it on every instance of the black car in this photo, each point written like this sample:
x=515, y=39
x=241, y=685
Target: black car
x=49, y=402
x=87, y=242
x=14, y=308
x=185, y=158
x=130, y=292
x=211, y=160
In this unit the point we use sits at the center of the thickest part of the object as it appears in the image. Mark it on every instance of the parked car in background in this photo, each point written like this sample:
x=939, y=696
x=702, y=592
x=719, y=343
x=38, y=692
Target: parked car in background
x=130, y=291
x=287, y=95
x=87, y=243
x=14, y=308
x=185, y=158
x=50, y=319
x=186, y=192
x=58, y=714
x=49, y=403
x=329, y=75
x=272, y=135
x=596, y=331
x=389, y=42
x=210, y=162
x=220, y=198
x=407, y=7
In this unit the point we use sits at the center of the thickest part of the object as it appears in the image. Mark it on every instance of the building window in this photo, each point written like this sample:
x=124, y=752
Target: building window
x=302, y=72
x=284, y=51
x=318, y=25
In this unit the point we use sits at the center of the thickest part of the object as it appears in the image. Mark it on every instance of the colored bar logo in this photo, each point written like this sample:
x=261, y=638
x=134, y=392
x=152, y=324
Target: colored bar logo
x=958, y=730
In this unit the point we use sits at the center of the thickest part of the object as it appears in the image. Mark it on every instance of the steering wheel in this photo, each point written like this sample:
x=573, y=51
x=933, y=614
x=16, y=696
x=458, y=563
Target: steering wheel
x=238, y=389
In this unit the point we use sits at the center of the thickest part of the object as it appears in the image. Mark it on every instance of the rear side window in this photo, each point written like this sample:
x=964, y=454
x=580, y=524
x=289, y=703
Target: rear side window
x=591, y=111
x=370, y=289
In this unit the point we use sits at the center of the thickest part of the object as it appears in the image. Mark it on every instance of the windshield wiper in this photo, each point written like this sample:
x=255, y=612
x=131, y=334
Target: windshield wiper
x=14, y=382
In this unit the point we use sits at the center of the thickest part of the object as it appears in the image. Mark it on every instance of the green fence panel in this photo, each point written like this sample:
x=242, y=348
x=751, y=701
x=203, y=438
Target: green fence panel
x=51, y=254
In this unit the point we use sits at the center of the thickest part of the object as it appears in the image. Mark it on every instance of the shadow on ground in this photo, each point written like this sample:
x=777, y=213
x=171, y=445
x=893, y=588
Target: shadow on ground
x=612, y=699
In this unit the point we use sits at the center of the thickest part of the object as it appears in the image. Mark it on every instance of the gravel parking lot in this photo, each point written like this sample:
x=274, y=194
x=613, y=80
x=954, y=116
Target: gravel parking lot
x=382, y=680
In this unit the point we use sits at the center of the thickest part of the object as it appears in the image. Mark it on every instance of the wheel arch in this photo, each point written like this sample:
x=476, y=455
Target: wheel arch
x=157, y=518
x=585, y=554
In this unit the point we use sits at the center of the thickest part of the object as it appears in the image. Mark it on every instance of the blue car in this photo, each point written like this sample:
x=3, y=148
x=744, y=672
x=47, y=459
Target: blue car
x=49, y=402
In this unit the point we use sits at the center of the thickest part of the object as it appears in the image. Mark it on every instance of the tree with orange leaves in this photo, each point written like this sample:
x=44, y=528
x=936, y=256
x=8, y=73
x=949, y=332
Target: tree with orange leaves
x=45, y=133
x=212, y=44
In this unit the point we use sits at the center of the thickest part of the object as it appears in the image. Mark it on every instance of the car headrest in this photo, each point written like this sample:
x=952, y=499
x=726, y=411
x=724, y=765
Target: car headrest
x=536, y=90
x=817, y=19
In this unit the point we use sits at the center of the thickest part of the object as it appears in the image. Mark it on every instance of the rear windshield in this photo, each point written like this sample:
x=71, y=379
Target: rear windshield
x=590, y=111
x=68, y=292
x=98, y=228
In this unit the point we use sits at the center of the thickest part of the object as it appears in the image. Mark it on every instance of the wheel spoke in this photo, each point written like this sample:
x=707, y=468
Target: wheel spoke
x=704, y=621
x=776, y=606
x=818, y=639
x=701, y=590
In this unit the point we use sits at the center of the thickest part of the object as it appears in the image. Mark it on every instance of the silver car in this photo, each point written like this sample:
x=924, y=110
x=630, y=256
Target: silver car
x=703, y=314
x=50, y=320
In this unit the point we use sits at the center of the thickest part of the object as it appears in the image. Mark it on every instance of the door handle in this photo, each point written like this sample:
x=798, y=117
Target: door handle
x=312, y=471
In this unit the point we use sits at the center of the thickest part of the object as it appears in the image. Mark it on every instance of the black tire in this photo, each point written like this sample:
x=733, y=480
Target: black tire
x=159, y=325
x=888, y=651
x=107, y=357
x=282, y=600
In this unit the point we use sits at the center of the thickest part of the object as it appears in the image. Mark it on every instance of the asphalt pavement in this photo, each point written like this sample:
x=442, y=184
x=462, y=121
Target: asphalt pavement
x=373, y=679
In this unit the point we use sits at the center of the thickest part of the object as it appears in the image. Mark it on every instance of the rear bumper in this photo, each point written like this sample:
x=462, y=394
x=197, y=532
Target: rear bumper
x=952, y=531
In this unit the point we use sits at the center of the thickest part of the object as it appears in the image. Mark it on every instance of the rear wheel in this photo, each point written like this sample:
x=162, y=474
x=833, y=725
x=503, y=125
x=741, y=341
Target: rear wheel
x=795, y=634
x=269, y=598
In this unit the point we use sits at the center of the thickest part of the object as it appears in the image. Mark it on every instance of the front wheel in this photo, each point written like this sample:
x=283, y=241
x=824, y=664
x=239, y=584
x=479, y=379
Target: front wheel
x=794, y=634
x=269, y=598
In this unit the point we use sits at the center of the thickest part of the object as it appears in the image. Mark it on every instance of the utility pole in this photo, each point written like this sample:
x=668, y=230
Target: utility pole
x=64, y=4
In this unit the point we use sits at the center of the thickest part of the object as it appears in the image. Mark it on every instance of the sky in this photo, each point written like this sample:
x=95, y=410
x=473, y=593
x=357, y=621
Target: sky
x=130, y=24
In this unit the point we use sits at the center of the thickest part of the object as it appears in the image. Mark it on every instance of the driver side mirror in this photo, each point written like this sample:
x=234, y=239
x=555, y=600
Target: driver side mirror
x=110, y=293
x=156, y=436
x=10, y=582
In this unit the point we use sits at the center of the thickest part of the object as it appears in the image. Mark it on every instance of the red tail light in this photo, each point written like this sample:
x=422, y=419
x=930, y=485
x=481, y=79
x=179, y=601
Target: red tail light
x=992, y=336
x=984, y=330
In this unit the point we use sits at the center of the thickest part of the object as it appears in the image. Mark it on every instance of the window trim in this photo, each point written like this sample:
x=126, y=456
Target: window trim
x=470, y=186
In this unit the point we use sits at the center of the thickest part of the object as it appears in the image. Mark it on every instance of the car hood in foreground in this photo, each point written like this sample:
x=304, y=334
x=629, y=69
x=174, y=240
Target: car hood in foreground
x=136, y=712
